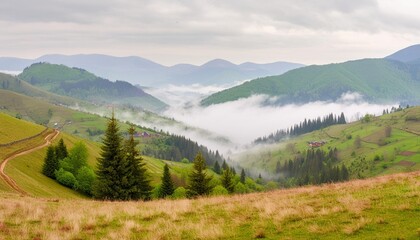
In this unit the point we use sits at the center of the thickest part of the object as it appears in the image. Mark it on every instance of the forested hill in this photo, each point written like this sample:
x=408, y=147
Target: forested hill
x=81, y=84
x=378, y=80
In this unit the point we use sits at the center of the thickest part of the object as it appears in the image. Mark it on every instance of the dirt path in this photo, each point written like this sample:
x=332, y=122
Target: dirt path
x=48, y=139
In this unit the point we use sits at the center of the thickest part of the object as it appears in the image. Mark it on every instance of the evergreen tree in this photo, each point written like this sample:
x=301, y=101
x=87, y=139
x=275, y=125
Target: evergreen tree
x=50, y=163
x=167, y=187
x=224, y=165
x=199, y=181
x=61, y=150
x=243, y=176
x=112, y=167
x=137, y=178
x=216, y=168
x=227, y=180
x=233, y=171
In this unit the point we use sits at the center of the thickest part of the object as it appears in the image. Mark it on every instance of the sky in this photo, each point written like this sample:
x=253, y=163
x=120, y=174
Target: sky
x=196, y=31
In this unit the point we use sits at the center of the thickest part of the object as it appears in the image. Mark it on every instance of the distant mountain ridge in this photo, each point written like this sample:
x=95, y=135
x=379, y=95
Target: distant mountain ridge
x=137, y=70
x=406, y=55
x=81, y=84
x=393, y=79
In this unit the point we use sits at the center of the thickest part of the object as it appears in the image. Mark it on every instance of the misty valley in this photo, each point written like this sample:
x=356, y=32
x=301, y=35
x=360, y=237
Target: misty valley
x=101, y=147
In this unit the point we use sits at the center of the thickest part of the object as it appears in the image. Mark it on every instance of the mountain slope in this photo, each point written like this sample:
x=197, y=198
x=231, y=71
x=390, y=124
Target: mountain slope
x=376, y=153
x=378, y=80
x=406, y=55
x=81, y=84
x=144, y=72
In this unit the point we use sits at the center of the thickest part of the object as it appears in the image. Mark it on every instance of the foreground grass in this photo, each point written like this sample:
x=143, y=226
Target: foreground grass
x=383, y=207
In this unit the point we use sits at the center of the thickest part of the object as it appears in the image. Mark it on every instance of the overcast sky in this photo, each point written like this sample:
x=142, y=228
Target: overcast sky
x=195, y=31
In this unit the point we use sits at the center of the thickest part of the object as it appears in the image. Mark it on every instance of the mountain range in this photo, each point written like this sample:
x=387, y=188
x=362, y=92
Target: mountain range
x=393, y=79
x=141, y=71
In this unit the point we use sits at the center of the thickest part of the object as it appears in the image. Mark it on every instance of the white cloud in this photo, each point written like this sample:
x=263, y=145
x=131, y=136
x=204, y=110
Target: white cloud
x=245, y=120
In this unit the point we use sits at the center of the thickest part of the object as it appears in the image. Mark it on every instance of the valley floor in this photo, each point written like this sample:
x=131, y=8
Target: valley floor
x=378, y=208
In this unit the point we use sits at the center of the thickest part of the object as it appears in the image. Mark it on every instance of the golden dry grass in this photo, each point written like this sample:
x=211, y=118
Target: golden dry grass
x=372, y=208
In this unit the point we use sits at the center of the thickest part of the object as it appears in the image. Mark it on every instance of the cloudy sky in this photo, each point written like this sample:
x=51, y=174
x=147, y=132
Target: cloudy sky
x=195, y=31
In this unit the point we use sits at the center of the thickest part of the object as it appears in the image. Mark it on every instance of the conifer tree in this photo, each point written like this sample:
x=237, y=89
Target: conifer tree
x=199, y=181
x=113, y=168
x=167, y=187
x=216, y=168
x=138, y=181
x=50, y=163
x=224, y=165
x=61, y=150
x=227, y=180
x=243, y=176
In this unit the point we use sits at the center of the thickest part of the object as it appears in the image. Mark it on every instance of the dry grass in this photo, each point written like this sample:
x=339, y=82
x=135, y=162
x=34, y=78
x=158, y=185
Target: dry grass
x=331, y=211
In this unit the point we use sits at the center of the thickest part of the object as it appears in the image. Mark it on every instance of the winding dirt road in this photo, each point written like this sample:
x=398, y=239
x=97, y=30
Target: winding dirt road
x=48, y=139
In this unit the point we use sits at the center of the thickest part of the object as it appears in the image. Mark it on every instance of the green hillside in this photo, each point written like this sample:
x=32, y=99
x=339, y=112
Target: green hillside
x=10, y=129
x=80, y=84
x=377, y=153
x=378, y=80
x=10, y=83
x=26, y=170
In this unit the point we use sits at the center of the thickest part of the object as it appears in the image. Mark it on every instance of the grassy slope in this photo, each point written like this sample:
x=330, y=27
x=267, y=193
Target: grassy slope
x=372, y=135
x=36, y=110
x=10, y=129
x=376, y=79
x=380, y=208
x=50, y=76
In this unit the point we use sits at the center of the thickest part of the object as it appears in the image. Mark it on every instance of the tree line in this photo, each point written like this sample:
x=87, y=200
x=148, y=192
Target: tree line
x=176, y=148
x=306, y=126
x=312, y=167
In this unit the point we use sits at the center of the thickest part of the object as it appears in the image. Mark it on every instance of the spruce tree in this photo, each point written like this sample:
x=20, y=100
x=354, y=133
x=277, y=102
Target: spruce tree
x=278, y=167
x=112, y=167
x=167, y=187
x=243, y=176
x=61, y=150
x=227, y=180
x=50, y=163
x=224, y=165
x=199, y=181
x=216, y=168
x=138, y=181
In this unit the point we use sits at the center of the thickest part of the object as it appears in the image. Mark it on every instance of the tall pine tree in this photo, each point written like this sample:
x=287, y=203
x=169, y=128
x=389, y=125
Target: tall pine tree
x=167, y=187
x=243, y=176
x=61, y=150
x=50, y=163
x=112, y=167
x=199, y=180
x=227, y=180
x=138, y=181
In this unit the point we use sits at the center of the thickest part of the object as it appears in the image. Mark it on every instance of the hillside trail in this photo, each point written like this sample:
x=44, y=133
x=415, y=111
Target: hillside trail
x=48, y=139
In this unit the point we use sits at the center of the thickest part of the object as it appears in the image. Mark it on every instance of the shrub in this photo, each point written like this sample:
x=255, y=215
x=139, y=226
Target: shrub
x=179, y=193
x=240, y=188
x=185, y=160
x=85, y=177
x=219, y=190
x=66, y=178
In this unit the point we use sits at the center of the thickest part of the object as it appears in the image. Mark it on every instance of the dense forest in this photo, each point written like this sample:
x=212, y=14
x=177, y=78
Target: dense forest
x=176, y=148
x=312, y=167
x=303, y=127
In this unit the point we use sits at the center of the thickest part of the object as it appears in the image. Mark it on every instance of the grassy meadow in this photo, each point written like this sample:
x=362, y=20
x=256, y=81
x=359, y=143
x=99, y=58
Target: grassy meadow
x=386, y=207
